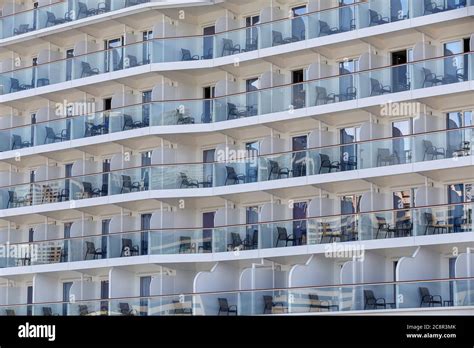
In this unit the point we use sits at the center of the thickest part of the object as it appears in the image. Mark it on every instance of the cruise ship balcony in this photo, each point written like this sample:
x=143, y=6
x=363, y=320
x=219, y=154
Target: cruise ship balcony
x=91, y=61
x=129, y=175
x=173, y=232
x=18, y=19
x=128, y=113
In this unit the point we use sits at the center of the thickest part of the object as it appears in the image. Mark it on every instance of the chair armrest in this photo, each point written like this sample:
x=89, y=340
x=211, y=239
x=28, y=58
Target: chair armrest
x=437, y=296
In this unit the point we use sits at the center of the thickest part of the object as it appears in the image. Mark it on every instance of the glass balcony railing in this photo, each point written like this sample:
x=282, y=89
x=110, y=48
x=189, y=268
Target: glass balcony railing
x=360, y=227
x=58, y=13
x=341, y=19
x=422, y=147
x=406, y=295
x=192, y=48
x=383, y=81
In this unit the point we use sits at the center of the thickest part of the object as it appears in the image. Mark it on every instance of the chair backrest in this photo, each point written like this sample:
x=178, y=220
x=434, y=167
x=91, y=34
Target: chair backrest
x=230, y=171
x=381, y=220
x=427, y=144
x=90, y=247
x=324, y=27
x=50, y=133
x=126, y=181
x=268, y=300
x=236, y=240
x=124, y=308
x=87, y=187
x=83, y=310
x=51, y=17
x=324, y=158
x=369, y=295
x=373, y=15
x=321, y=93
x=427, y=72
x=313, y=297
x=17, y=141
x=228, y=44
x=185, y=54
x=127, y=120
x=126, y=243
x=282, y=233
x=47, y=311
x=14, y=83
x=277, y=36
x=424, y=291
x=383, y=152
x=185, y=242
x=223, y=304
x=375, y=84
x=86, y=67
x=274, y=167
x=10, y=312
x=428, y=218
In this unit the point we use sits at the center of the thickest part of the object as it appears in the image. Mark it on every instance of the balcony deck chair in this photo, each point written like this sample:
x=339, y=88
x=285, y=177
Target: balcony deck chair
x=19, y=143
x=186, y=182
x=83, y=310
x=88, y=191
x=322, y=97
x=377, y=19
x=186, y=55
x=48, y=312
x=326, y=163
x=431, y=7
x=433, y=151
x=234, y=111
x=184, y=245
x=128, y=249
x=22, y=29
x=316, y=303
x=125, y=309
x=16, y=86
x=427, y=298
x=371, y=302
x=277, y=38
x=225, y=308
x=283, y=236
x=129, y=186
x=93, y=251
x=269, y=305
x=376, y=88
x=129, y=123
x=237, y=242
x=52, y=20
x=183, y=119
x=325, y=29
x=232, y=175
x=52, y=136
x=179, y=308
x=87, y=70
x=384, y=157
x=228, y=47
x=104, y=6
x=275, y=169
x=83, y=11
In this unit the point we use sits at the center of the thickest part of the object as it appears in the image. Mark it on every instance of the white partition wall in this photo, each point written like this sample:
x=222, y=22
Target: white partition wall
x=259, y=276
x=119, y=244
x=423, y=264
x=319, y=270
x=171, y=285
x=122, y=283
x=268, y=232
x=222, y=277
x=82, y=233
x=46, y=288
x=373, y=201
x=464, y=289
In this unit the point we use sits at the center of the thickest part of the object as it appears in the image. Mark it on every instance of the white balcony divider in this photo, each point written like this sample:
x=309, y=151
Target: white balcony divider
x=222, y=277
x=259, y=276
x=423, y=264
